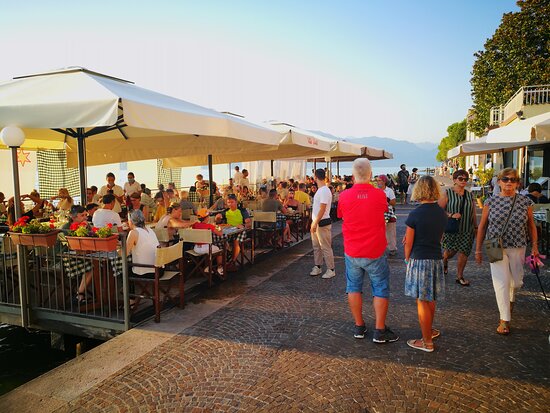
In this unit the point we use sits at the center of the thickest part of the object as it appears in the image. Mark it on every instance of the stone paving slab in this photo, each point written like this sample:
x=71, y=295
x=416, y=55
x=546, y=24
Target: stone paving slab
x=287, y=346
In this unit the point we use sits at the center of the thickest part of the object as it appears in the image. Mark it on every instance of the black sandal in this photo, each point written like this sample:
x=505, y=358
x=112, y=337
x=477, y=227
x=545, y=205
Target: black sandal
x=463, y=282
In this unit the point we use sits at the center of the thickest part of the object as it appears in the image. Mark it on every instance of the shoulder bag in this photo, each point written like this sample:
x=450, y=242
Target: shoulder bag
x=493, y=246
x=453, y=224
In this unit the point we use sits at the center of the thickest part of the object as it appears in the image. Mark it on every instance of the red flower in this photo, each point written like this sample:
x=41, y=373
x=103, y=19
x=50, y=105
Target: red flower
x=83, y=224
x=52, y=226
x=74, y=226
x=24, y=218
x=109, y=225
x=94, y=229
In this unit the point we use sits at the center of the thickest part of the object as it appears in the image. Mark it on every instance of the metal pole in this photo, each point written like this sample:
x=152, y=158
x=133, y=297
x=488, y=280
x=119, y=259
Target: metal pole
x=272, y=169
x=314, y=166
x=21, y=264
x=211, y=182
x=125, y=284
x=82, y=164
x=338, y=168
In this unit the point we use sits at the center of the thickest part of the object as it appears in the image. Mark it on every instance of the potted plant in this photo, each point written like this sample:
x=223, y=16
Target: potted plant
x=31, y=232
x=82, y=237
x=484, y=176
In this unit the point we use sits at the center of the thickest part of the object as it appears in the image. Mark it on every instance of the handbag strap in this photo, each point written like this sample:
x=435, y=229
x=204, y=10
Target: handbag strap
x=509, y=215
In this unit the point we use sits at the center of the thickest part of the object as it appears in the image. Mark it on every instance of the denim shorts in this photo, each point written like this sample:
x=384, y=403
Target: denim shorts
x=378, y=271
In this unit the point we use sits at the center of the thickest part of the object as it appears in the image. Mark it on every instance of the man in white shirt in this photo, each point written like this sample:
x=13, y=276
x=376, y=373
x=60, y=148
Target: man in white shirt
x=237, y=176
x=321, y=228
x=244, y=180
x=118, y=192
x=106, y=215
x=131, y=186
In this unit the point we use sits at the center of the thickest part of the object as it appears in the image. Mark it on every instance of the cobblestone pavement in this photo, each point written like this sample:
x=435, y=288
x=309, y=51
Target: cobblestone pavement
x=287, y=346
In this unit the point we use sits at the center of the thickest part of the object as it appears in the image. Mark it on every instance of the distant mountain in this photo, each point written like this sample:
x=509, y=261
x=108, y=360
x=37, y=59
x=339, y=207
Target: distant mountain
x=412, y=154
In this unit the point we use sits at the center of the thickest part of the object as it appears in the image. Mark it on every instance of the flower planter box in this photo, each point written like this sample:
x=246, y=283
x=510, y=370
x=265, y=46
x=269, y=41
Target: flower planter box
x=35, y=240
x=93, y=243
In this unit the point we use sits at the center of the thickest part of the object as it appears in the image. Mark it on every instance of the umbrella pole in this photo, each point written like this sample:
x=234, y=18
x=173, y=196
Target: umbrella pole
x=82, y=164
x=20, y=249
x=314, y=166
x=272, y=169
x=229, y=170
x=211, y=182
x=338, y=168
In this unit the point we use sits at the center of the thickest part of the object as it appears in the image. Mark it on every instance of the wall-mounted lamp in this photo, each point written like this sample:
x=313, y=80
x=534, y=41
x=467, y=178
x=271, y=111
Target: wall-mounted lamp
x=519, y=114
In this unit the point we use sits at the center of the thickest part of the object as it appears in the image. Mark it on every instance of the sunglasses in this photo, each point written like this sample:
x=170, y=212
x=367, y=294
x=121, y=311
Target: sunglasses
x=462, y=179
x=508, y=179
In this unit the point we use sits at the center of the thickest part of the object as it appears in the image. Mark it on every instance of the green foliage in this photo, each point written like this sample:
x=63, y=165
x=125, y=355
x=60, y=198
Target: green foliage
x=484, y=176
x=456, y=133
x=24, y=226
x=517, y=55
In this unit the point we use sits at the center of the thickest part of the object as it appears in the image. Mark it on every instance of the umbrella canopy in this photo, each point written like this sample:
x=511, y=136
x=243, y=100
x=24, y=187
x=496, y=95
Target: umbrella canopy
x=523, y=132
x=481, y=146
x=107, y=120
x=361, y=152
x=295, y=143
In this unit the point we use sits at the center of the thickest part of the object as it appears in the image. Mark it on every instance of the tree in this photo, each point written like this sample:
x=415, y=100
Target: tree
x=517, y=55
x=456, y=133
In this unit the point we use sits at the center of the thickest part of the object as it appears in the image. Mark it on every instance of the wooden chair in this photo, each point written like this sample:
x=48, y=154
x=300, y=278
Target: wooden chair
x=200, y=262
x=186, y=214
x=163, y=274
x=265, y=229
x=162, y=235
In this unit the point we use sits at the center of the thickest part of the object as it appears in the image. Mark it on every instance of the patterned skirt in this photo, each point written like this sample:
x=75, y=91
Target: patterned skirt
x=425, y=280
x=459, y=242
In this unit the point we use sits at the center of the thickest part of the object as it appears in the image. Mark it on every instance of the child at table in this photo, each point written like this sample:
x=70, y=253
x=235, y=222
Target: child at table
x=202, y=215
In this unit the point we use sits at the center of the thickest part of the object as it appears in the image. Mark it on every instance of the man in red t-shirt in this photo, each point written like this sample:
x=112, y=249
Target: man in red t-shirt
x=362, y=208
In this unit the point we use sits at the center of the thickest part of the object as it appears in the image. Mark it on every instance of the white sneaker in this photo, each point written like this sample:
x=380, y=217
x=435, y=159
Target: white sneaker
x=329, y=274
x=315, y=271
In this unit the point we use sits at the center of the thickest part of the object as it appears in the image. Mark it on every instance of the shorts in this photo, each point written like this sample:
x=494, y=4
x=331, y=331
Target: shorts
x=203, y=249
x=378, y=271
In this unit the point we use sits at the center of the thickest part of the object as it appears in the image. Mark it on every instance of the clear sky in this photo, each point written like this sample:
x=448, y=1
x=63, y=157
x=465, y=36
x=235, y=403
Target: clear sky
x=392, y=68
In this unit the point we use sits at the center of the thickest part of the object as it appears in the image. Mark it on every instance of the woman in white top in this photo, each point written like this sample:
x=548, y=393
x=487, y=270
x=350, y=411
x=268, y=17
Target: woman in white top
x=142, y=243
x=391, y=225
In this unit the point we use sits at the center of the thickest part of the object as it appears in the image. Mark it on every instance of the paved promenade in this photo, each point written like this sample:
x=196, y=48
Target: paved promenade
x=286, y=345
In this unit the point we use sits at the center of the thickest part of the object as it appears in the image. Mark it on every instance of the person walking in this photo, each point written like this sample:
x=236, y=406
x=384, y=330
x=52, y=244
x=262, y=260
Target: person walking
x=508, y=216
x=424, y=279
x=321, y=228
x=413, y=177
x=391, y=221
x=458, y=203
x=403, y=181
x=362, y=209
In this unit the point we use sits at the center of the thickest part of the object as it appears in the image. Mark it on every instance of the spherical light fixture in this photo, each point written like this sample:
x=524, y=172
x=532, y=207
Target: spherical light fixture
x=12, y=136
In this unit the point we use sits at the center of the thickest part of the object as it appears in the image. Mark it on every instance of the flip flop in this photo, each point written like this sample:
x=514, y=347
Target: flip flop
x=435, y=333
x=503, y=328
x=463, y=282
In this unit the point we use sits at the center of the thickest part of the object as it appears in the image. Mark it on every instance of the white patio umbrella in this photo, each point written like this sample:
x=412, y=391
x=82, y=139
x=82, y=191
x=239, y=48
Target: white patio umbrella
x=102, y=119
x=295, y=143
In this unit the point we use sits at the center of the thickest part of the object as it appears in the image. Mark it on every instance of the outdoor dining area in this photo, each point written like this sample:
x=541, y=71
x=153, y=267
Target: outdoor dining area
x=88, y=279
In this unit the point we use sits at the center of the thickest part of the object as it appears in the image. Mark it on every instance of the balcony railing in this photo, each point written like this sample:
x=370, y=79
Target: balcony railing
x=525, y=96
x=497, y=115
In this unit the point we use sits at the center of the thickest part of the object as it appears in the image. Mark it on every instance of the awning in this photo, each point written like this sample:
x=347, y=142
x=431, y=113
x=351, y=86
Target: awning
x=481, y=146
x=523, y=131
